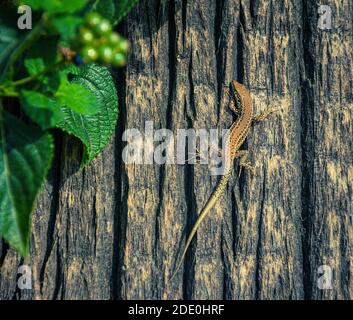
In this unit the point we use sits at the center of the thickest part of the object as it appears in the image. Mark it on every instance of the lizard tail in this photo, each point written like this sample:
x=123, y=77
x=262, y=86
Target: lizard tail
x=210, y=203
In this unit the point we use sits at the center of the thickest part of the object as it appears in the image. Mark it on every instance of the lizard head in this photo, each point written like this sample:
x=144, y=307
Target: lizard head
x=241, y=94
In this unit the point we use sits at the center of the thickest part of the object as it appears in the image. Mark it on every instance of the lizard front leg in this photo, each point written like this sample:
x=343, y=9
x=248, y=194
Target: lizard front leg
x=262, y=116
x=212, y=151
x=244, y=162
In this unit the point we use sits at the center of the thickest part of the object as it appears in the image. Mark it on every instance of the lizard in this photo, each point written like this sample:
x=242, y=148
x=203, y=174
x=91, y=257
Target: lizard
x=235, y=137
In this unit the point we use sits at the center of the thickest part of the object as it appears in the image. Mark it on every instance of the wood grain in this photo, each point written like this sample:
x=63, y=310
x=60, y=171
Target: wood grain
x=114, y=230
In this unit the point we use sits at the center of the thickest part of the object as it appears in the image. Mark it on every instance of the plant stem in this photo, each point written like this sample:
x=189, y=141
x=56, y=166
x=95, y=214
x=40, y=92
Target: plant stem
x=4, y=89
x=27, y=42
x=36, y=76
x=9, y=95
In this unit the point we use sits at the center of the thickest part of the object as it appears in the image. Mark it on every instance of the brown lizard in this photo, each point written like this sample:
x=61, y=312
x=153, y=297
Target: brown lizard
x=234, y=139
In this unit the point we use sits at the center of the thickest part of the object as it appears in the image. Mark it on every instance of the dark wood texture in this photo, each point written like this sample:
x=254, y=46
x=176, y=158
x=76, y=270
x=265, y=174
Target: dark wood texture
x=113, y=231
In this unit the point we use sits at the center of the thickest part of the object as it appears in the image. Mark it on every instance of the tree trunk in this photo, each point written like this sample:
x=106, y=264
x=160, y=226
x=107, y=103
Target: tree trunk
x=114, y=230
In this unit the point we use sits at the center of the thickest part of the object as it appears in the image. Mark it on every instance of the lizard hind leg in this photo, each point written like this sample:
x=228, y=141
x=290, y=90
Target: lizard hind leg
x=244, y=162
x=204, y=156
x=264, y=115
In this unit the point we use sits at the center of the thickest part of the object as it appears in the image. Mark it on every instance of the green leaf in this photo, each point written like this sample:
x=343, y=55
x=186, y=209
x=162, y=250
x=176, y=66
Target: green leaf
x=93, y=130
x=77, y=97
x=105, y=8
x=67, y=26
x=41, y=55
x=123, y=7
x=10, y=39
x=25, y=157
x=41, y=109
x=55, y=6
x=114, y=10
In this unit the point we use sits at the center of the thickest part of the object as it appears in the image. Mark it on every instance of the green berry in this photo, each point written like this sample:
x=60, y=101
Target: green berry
x=103, y=28
x=96, y=43
x=123, y=46
x=119, y=60
x=114, y=38
x=89, y=54
x=106, y=54
x=86, y=35
x=103, y=41
x=93, y=19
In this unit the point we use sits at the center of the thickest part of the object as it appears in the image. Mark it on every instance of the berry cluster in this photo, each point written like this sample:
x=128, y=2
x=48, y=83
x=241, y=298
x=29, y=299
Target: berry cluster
x=99, y=43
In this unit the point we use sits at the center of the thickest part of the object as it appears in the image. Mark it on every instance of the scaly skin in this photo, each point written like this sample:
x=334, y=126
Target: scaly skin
x=237, y=134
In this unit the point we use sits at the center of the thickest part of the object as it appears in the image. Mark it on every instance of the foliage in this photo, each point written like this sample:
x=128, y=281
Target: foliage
x=37, y=69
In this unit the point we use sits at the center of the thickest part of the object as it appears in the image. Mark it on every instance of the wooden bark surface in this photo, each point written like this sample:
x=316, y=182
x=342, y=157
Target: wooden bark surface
x=113, y=230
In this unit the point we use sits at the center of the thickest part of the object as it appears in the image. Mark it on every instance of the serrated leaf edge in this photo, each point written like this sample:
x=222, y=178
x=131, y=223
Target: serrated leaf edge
x=23, y=251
